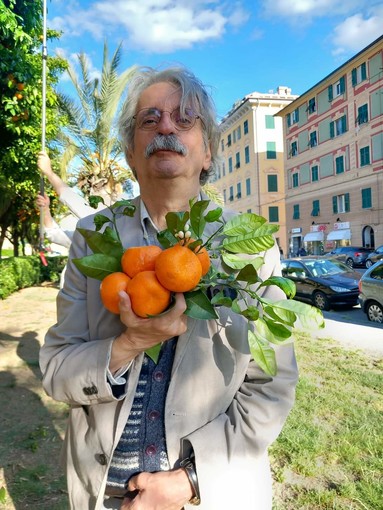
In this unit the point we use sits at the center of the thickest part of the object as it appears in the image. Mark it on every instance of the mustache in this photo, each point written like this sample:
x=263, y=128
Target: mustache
x=167, y=143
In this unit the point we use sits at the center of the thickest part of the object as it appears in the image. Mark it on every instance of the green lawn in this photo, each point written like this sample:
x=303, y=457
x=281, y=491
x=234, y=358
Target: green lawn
x=330, y=454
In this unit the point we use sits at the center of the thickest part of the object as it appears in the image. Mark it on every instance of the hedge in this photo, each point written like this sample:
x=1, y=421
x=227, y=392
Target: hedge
x=20, y=272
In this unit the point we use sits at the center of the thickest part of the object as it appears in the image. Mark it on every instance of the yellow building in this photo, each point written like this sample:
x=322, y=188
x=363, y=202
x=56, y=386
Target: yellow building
x=334, y=157
x=251, y=176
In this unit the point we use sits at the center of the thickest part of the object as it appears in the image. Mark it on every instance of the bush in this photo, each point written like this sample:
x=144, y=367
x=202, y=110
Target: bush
x=20, y=272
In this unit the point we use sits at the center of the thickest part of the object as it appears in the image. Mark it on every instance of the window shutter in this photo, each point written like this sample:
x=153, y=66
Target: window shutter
x=347, y=202
x=332, y=132
x=353, y=77
x=342, y=84
x=344, y=124
x=363, y=71
x=288, y=120
x=335, y=205
x=330, y=94
x=297, y=115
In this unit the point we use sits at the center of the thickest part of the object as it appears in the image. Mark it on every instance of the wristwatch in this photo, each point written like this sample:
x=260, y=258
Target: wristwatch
x=188, y=466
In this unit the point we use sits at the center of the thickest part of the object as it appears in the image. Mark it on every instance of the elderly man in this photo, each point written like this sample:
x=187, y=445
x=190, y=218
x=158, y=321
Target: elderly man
x=193, y=429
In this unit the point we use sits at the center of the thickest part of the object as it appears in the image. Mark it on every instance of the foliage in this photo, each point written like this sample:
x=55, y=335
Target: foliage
x=239, y=245
x=90, y=139
x=21, y=115
x=20, y=272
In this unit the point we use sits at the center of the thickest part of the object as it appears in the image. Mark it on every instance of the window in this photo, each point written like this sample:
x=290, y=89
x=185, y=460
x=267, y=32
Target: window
x=339, y=165
x=314, y=173
x=362, y=114
x=224, y=196
x=295, y=180
x=230, y=165
x=239, y=135
x=295, y=116
x=229, y=140
x=366, y=198
x=222, y=145
x=272, y=183
x=358, y=74
x=271, y=150
x=337, y=89
x=316, y=208
x=245, y=127
x=237, y=160
x=296, y=213
x=312, y=105
x=247, y=154
x=273, y=214
x=231, y=195
x=248, y=187
x=223, y=169
x=338, y=127
x=270, y=122
x=364, y=156
x=313, y=139
x=294, y=148
x=341, y=203
x=239, y=190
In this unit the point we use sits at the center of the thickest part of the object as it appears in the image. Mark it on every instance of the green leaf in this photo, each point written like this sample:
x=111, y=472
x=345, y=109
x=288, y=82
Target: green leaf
x=254, y=242
x=176, y=221
x=262, y=353
x=100, y=220
x=97, y=265
x=129, y=208
x=308, y=315
x=251, y=313
x=102, y=243
x=280, y=332
x=236, y=261
x=213, y=215
x=243, y=224
x=288, y=286
x=199, y=306
x=95, y=200
x=220, y=298
x=279, y=315
x=3, y=495
x=197, y=221
x=248, y=274
x=166, y=239
x=154, y=352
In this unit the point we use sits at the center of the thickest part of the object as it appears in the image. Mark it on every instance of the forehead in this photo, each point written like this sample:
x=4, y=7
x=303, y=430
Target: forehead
x=161, y=95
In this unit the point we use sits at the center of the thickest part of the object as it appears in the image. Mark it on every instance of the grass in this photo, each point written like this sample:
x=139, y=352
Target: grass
x=330, y=453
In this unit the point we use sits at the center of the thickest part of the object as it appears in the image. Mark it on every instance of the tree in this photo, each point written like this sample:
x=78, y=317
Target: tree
x=20, y=116
x=90, y=139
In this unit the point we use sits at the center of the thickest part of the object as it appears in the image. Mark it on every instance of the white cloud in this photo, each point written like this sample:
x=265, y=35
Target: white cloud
x=309, y=8
x=357, y=31
x=156, y=26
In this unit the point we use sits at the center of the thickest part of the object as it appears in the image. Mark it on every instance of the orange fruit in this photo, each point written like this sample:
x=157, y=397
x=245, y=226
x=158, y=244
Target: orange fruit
x=109, y=289
x=147, y=295
x=202, y=254
x=139, y=258
x=178, y=268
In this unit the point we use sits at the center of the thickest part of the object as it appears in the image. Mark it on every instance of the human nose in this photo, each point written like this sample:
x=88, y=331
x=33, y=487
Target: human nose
x=165, y=125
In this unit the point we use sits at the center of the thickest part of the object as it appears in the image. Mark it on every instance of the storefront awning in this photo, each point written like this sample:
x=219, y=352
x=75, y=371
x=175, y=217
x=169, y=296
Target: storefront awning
x=313, y=236
x=338, y=235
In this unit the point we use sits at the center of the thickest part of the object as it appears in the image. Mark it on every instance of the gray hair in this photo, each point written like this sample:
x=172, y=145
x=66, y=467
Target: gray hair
x=193, y=95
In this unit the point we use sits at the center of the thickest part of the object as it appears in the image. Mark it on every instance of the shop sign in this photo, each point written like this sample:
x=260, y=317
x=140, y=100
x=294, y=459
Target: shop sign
x=341, y=225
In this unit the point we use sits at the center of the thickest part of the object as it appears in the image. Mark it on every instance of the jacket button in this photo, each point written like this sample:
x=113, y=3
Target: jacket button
x=101, y=459
x=90, y=390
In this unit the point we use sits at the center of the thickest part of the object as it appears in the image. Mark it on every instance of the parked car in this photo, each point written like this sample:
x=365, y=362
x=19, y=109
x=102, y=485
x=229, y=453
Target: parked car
x=353, y=256
x=322, y=282
x=371, y=292
x=374, y=256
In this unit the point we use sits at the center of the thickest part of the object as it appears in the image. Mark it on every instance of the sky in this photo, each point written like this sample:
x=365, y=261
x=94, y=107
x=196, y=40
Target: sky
x=235, y=47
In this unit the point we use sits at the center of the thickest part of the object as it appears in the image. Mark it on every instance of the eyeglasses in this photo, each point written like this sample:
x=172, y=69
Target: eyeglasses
x=149, y=118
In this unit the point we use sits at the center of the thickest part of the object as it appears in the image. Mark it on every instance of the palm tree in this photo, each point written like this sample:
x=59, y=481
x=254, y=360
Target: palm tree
x=90, y=141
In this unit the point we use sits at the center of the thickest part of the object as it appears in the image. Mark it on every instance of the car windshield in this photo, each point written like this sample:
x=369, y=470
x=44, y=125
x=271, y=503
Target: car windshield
x=321, y=267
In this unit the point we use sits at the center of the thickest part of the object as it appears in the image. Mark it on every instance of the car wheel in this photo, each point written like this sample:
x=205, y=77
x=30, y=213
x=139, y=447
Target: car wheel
x=321, y=301
x=350, y=262
x=368, y=263
x=374, y=312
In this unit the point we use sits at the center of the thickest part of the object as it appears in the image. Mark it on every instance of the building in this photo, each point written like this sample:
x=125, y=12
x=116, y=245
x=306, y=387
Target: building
x=334, y=157
x=251, y=175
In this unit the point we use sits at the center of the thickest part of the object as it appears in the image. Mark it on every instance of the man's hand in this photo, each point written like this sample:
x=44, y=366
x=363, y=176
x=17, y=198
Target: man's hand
x=165, y=490
x=44, y=164
x=141, y=334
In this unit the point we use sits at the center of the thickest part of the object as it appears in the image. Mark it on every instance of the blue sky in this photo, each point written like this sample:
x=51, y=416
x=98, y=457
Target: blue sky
x=234, y=47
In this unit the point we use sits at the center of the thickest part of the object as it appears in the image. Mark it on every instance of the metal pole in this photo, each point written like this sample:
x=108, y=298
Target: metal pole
x=43, y=115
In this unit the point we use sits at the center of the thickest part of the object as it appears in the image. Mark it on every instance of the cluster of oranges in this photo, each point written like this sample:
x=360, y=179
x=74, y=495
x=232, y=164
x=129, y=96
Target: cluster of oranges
x=149, y=276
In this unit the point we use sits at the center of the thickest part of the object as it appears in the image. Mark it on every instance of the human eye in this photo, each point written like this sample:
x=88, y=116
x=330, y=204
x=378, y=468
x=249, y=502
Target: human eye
x=185, y=119
x=149, y=118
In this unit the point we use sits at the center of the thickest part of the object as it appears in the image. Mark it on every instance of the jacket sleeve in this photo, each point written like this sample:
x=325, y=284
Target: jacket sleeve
x=236, y=455
x=74, y=358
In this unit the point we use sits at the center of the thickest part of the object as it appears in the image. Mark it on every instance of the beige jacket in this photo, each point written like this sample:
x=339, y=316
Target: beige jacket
x=219, y=403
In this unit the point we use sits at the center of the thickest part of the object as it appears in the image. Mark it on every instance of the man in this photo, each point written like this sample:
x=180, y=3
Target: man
x=195, y=428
